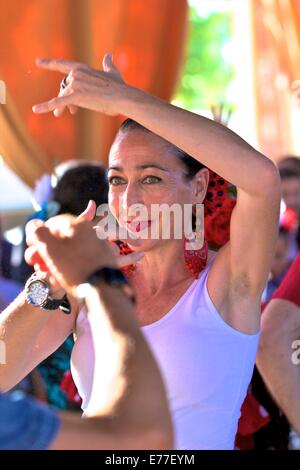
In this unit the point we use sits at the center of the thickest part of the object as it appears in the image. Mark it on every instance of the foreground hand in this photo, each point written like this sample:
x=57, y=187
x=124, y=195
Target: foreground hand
x=57, y=226
x=70, y=250
x=73, y=252
x=32, y=256
x=86, y=87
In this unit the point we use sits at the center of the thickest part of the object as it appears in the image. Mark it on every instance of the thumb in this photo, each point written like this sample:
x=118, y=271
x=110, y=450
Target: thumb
x=109, y=66
x=89, y=213
x=107, y=62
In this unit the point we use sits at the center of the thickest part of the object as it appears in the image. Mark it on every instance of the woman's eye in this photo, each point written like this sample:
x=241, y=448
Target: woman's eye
x=116, y=180
x=151, y=180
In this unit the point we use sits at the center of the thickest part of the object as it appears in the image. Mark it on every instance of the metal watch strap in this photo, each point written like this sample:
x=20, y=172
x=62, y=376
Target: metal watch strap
x=65, y=305
x=52, y=304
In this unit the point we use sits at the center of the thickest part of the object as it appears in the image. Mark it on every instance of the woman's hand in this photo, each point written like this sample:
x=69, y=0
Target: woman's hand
x=88, y=88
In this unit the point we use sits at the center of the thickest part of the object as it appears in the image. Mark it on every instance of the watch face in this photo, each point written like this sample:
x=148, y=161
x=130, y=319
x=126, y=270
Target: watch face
x=37, y=293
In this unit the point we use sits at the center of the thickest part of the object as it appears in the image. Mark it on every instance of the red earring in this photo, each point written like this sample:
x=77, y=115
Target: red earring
x=125, y=250
x=196, y=260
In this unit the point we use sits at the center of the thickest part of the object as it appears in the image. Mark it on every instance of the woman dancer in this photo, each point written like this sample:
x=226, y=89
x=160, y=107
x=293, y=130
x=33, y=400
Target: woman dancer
x=201, y=319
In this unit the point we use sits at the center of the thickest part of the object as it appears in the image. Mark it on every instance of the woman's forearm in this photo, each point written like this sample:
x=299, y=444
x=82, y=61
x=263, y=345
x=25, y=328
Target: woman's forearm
x=20, y=325
x=214, y=145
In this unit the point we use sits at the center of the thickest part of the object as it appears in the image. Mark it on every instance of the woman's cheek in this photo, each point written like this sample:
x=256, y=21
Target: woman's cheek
x=113, y=203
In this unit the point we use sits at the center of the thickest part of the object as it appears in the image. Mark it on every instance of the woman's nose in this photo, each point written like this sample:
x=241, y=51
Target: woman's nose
x=131, y=197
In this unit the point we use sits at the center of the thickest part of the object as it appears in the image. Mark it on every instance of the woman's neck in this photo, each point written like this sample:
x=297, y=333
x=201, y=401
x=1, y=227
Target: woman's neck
x=162, y=268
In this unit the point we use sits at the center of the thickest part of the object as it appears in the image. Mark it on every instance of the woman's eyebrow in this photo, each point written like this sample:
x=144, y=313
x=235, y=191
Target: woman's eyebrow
x=150, y=165
x=116, y=168
x=139, y=167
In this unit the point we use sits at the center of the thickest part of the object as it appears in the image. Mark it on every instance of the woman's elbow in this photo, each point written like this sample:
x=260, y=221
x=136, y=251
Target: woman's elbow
x=270, y=179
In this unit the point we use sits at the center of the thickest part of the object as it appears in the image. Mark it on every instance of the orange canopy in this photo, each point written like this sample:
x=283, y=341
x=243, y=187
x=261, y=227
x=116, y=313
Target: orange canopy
x=276, y=28
x=146, y=38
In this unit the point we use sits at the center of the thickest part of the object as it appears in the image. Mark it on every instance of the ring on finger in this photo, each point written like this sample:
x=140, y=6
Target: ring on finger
x=64, y=83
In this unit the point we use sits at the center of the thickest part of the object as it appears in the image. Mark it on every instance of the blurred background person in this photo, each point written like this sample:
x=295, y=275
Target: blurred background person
x=278, y=354
x=9, y=289
x=289, y=170
x=280, y=264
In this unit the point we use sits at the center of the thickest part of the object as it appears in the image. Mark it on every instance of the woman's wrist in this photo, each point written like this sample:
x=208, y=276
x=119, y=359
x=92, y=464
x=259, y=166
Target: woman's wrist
x=132, y=102
x=57, y=291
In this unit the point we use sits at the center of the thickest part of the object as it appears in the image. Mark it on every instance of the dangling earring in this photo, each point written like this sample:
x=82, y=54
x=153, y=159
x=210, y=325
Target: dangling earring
x=195, y=260
x=125, y=250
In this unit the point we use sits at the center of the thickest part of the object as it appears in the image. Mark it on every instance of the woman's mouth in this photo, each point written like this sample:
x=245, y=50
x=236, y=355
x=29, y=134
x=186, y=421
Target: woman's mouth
x=137, y=226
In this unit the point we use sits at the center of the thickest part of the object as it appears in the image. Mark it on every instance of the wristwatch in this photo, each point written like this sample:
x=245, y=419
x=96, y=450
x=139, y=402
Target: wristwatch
x=107, y=275
x=38, y=294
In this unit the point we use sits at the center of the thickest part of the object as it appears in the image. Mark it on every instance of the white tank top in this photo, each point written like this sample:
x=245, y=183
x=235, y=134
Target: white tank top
x=206, y=365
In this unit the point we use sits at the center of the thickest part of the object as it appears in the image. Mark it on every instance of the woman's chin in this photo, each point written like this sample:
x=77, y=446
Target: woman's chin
x=142, y=245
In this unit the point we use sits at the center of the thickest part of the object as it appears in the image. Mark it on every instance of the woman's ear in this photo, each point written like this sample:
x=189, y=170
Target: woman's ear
x=201, y=180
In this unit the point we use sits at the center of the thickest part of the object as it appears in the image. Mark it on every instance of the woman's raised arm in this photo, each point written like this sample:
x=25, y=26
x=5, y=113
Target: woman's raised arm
x=245, y=261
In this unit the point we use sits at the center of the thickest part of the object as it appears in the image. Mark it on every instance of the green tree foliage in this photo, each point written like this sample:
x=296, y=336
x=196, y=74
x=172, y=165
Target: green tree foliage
x=206, y=74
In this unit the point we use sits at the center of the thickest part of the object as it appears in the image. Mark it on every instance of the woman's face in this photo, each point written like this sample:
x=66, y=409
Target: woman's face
x=143, y=174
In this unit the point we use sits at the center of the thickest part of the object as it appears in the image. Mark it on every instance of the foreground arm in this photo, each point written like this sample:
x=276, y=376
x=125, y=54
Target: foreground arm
x=128, y=404
x=28, y=336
